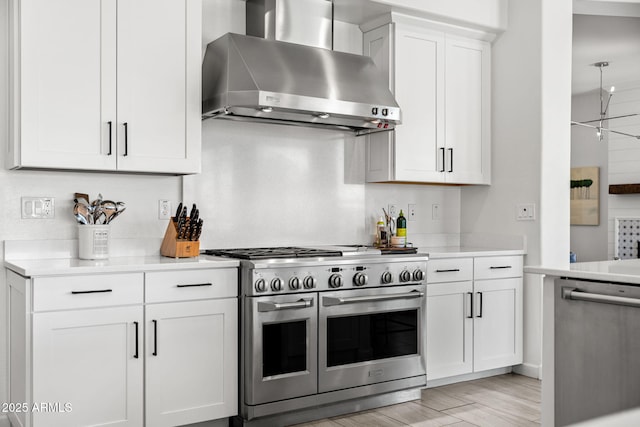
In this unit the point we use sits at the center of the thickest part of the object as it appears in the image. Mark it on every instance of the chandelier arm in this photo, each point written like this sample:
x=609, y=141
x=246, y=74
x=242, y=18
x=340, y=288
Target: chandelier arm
x=604, y=129
x=608, y=118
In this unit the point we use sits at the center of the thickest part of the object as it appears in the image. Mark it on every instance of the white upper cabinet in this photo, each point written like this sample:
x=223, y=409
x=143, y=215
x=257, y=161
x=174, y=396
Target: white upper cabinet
x=442, y=84
x=106, y=85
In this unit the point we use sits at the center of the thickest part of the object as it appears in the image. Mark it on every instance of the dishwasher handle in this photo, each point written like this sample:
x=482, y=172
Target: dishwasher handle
x=577, y=295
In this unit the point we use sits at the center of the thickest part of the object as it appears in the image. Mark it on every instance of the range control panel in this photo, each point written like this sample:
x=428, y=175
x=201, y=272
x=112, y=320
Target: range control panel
x=318, y=278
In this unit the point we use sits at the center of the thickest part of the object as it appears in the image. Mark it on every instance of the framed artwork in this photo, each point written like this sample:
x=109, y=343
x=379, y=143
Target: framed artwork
x=585, y=196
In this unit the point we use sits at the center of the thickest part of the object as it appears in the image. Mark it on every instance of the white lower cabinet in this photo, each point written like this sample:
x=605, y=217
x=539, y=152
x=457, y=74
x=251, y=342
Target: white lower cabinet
x=84, y=361
x=129, y=349
x=191, y=361
x=474, y=315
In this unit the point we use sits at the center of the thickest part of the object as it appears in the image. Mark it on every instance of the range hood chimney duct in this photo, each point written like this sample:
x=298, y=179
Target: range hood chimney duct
x=284, y=71
x=306, y=22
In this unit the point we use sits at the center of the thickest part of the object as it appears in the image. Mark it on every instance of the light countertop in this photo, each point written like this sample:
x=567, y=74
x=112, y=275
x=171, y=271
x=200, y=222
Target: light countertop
x=467, y=251
x=65, y=266
x=623, y=271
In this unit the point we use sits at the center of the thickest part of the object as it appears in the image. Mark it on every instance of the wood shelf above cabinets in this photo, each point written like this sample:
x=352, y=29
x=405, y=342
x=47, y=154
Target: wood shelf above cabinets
x=624, y=189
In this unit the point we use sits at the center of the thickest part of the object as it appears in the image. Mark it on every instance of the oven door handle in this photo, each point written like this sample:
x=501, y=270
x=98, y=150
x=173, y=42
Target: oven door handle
x=275, y=306
x=329, y=301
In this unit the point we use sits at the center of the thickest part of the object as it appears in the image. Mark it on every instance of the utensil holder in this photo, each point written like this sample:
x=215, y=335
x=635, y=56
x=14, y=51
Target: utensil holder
x=93, y=241
x=178, y=248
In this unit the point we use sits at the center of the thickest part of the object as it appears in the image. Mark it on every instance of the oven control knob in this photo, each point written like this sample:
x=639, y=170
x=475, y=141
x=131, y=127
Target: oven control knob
x=276, y=284
x=335, y=281
x=360, y=279
x=309, y=282
x=387, y=277
x=261, y=285
x=418, y=275
x=405, y=276
x=294, y=283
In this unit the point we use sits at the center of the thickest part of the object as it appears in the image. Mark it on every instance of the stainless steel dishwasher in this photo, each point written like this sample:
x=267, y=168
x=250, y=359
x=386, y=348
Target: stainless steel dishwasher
x=597, y=349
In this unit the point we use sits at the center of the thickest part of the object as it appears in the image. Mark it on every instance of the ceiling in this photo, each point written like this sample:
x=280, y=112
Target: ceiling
x=603, y=31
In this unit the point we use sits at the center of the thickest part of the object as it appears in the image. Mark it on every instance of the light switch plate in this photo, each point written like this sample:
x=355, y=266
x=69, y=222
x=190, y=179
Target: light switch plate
x=38, y=207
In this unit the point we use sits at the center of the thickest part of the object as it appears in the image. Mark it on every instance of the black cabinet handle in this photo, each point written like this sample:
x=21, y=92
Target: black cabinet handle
x=110, y=138
x=498, y=267
x=470, y=316
x=126, y=139
x=451, y=270
x=443, y=159
x=194, y=285
x=97, y=291
x=135, y=356
x=451, y=160
x=480, y=294
x=155, y=337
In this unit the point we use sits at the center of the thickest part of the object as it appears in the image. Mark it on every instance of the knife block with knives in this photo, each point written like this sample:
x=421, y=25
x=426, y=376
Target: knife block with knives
x=181, y=240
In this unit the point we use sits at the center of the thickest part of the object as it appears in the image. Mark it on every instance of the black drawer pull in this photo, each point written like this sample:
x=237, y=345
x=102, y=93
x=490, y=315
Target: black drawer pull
x=194, y=285
x=480, y=295
x=499, y=267
x=470, y=316
x=452, y=270
x=97, y=291
x=135, y=356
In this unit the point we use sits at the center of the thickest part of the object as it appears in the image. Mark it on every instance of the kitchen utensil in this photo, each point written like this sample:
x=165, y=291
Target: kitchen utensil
x=178, y=212
x=84, y=211
x=79, y=217
x=120, y=207
x=109, y=208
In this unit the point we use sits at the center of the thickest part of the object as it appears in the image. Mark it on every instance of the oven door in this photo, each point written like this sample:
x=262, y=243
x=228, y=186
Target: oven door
x=368, y=336
x=281, y=339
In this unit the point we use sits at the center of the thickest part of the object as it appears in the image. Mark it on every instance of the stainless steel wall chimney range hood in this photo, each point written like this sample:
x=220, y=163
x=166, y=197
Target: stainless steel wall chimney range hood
x=278, y=80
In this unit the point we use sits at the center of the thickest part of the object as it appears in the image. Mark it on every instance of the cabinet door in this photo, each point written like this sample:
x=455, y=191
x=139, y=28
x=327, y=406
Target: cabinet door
x=420, y=90
x=497, y=323
x=63, y=84
x=159, y=111
x=449, y=329
x=468, y=111
x=87, y=359
x=191, y=361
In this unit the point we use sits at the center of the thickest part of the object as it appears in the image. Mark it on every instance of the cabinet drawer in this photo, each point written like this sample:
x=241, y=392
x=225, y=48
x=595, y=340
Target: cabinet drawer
x=85, y=291
x=497, y=267
x=181, y=285
x=449, y=270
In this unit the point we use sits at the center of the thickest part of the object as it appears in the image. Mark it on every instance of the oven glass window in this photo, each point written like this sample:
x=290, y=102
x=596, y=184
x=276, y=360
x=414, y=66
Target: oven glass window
x=284, y=348
x=373, y=336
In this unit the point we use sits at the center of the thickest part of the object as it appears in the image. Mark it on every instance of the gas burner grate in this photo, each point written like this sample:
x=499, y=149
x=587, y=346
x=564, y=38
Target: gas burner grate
x=265, y=253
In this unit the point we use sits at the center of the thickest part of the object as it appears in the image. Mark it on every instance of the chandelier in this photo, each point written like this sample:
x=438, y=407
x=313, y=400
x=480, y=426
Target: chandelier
x=598, y=124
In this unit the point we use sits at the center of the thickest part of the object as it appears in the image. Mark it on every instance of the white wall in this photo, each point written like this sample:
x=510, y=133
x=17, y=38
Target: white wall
x=271, y=184
x=589, y=242
x=530, y=148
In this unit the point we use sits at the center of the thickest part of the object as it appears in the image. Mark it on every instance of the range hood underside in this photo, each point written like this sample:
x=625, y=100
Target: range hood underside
x=301, y=110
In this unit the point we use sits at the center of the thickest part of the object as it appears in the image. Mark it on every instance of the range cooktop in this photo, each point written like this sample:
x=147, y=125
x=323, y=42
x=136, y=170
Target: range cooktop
x=277, y=252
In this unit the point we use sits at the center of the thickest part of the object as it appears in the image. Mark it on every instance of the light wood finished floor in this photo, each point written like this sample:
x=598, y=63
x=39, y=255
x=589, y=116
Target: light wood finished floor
x=505, y=400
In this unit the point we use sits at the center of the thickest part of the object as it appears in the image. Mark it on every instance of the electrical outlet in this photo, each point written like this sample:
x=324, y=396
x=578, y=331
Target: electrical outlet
x=393, y=210
x=526, y=212
x=411, y=212
x=38, y=207
x=164, y=209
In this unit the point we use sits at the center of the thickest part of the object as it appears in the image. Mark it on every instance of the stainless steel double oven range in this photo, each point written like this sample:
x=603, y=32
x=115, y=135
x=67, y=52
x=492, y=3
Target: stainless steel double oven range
x=325, y=332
